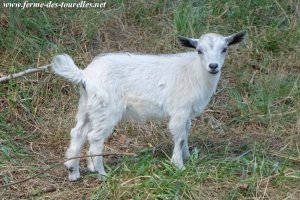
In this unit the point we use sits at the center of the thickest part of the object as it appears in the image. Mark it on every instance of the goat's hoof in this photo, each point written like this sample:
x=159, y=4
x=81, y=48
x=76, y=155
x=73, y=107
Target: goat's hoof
x=91, y=168
x=74, y=176
x=103, y=177
x=180, y=167
x=186, y=157
x=178, y=163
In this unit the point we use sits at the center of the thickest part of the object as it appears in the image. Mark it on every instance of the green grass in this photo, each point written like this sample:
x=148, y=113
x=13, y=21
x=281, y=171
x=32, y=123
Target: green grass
x=245, y=145
x=269, y=101
x=152, y=177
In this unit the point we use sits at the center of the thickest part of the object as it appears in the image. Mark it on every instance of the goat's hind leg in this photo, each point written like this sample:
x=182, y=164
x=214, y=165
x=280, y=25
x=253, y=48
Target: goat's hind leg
x=103, y=124
x=78, y=138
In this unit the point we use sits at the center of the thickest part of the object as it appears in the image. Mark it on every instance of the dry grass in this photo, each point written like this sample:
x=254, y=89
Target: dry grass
x=248, y=137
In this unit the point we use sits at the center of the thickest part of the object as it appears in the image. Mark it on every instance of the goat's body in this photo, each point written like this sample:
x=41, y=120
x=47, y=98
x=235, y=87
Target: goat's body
x=150, y=86
x=139, y=87
x=136, y=87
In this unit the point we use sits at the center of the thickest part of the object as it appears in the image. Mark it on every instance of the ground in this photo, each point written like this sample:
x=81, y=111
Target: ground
x=244, y=146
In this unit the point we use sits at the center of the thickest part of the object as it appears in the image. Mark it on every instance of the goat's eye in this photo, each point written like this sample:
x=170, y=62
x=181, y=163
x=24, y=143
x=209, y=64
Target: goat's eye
x=224, y=50
x=200, y=52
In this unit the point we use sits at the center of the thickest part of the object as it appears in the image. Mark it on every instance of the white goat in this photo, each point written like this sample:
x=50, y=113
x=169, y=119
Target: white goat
x=138, y=87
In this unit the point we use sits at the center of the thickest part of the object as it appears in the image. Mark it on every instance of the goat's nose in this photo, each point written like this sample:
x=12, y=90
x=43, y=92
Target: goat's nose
x=213, y=66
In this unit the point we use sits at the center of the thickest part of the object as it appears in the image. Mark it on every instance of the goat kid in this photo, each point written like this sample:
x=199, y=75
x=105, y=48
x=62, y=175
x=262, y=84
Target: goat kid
x=139, y=87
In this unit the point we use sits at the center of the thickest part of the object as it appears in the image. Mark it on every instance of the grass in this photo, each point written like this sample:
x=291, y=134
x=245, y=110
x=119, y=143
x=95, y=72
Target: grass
x=244, y=146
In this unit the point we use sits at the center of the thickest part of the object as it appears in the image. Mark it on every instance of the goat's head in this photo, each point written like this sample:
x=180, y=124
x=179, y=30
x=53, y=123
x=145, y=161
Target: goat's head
x=212, y=48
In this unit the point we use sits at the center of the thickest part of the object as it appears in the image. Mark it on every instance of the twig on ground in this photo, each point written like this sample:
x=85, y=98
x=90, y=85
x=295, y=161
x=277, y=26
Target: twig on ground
x=23, y=73
x=61, y=162
x=138, y=177
x=295, y=159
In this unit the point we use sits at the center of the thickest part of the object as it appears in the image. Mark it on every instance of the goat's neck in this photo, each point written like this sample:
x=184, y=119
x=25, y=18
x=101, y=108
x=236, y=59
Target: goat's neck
x=203, y=76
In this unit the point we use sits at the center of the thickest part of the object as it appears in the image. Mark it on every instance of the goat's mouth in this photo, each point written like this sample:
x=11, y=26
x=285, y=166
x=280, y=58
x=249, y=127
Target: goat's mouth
x=214, y=72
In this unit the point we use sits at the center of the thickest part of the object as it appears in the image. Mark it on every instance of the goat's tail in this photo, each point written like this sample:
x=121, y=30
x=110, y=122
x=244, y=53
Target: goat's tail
x=64, y=66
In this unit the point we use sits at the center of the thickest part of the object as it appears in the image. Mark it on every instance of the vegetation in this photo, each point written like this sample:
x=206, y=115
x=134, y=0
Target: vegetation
x=244, y=146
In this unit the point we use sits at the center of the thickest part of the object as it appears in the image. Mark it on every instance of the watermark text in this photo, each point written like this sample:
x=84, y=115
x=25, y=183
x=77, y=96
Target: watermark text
x=51, y=4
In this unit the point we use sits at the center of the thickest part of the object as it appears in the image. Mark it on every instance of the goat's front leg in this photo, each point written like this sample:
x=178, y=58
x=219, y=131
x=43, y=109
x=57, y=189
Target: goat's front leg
x=185, y=148
x=177, y=126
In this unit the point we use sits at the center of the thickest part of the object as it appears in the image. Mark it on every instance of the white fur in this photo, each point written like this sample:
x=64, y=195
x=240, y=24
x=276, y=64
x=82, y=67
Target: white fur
x=139, y=87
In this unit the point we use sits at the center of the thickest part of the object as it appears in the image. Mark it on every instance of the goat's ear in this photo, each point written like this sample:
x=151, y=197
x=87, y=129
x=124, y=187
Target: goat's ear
x=187, y=42
x=236, y=38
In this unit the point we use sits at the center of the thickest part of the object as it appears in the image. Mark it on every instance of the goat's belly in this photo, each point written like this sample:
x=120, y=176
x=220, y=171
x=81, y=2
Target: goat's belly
x=138, y=110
